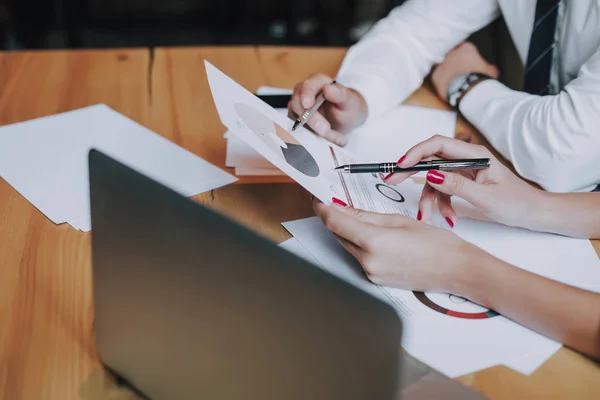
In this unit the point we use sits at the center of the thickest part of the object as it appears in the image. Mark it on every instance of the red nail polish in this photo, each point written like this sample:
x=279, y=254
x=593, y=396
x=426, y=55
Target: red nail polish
x=338, y=202
x=449, y=221
x=388, y=176
x=419, y=215
x=401, y=159
x=436, y=177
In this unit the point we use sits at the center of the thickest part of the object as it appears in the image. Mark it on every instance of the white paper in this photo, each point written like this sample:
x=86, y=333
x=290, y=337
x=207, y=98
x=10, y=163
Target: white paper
x=293, y=246
x=46, y=159
x=270, y=90
x=83, y=224
x=529, y=363
x=240, y=155
x=457, y=346
x=389, y=137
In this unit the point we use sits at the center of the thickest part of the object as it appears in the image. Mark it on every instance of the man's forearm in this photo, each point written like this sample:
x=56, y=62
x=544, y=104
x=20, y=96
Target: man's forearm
x=561, y=312
x=550, y=140
x=390, y=62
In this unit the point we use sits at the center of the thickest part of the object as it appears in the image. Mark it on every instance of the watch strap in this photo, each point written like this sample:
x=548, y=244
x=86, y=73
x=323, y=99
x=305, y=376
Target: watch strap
x=470, y=82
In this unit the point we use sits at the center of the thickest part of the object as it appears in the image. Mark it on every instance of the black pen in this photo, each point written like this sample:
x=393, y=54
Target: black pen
x=392, y=167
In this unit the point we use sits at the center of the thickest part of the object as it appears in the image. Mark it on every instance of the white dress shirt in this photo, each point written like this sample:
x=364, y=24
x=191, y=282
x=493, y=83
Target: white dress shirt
x=552, y=140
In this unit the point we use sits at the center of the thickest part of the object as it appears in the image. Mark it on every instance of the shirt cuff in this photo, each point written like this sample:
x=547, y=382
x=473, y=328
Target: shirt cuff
x=373, y=89
x=475, y=107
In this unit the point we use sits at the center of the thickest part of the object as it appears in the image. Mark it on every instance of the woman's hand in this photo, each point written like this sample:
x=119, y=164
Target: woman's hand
x=398, y=251
x=345, y=108
x=495, y=191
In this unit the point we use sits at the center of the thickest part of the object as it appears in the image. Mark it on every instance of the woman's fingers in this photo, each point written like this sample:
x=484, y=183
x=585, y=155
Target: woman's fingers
x=342, y=223
x=350, y=247
x=444, y=147
x=428, y=197
x=446, y=209
x=458, y=185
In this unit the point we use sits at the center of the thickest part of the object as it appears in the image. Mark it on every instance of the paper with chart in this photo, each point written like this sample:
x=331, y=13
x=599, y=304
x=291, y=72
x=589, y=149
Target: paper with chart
x=308, y=159
x=46, y=160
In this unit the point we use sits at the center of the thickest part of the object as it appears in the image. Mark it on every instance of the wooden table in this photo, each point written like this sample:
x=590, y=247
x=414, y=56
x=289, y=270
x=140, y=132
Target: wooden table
x=47, y=348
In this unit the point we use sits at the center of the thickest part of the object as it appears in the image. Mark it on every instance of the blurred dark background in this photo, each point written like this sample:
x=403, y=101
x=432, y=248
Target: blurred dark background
x=60, y=24
x=34, y=24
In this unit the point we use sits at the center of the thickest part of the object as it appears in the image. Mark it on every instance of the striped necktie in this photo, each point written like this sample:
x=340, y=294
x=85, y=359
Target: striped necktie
x=541, y=48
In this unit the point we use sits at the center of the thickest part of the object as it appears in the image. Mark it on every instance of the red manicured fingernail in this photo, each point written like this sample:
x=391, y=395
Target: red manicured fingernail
x=338, y=202
x=401, y=159
x=419, y=215
x=449, y=221
x=388, y=176
x=436, y=177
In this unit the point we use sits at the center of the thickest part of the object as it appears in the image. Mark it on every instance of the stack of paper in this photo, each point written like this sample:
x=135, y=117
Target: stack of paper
x=46, y=160
x=458, y=345
x=381, y=140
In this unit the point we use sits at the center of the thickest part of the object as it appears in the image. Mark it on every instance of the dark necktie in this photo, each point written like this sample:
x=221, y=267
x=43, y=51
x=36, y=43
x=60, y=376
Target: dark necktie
x=541, y=47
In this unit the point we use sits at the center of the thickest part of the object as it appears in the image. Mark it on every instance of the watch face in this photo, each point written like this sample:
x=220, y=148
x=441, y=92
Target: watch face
x=455, y=87
x=456, y=83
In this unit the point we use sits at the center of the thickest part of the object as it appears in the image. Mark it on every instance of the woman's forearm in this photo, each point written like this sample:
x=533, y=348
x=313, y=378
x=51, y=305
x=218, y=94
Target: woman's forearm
x=569, y=214
x=561, y=312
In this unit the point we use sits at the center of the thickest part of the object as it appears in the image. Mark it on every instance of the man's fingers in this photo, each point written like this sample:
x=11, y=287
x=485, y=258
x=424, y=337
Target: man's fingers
x=310, y=88
x=319, y=124
x=305, y=93
x=295, y=106
x=336, y=94
x=446, y=210
x=443, y=147
x=428, y=197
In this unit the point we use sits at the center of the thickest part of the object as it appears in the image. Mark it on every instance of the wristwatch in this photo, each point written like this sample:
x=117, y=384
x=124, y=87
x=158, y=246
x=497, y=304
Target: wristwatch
x=460, y=85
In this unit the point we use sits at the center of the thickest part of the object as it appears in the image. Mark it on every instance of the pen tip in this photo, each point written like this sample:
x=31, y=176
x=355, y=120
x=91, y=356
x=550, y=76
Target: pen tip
x=296, y=123
x=338, y=168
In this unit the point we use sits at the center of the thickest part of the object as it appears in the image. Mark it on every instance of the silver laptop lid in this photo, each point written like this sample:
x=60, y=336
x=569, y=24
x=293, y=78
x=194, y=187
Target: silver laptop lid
x=189, y=304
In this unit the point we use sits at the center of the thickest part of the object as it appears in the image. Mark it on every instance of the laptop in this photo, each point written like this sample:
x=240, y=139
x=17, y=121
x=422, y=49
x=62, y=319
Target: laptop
x=189, y=304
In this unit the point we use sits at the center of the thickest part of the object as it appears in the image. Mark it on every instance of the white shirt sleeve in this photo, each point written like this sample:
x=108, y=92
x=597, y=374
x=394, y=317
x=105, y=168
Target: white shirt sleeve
x=390, y=62
x=551, y=140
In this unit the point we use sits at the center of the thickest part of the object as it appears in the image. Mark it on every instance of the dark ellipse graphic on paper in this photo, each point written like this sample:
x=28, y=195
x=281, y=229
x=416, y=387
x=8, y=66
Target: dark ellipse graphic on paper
x=390, y=193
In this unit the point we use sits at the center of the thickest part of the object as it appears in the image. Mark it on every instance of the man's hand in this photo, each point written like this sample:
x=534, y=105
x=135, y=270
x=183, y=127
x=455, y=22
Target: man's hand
x=464, y=59
x=344, y=109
